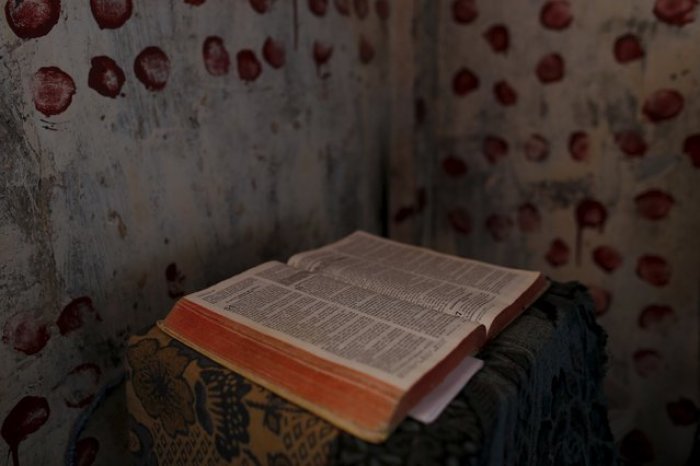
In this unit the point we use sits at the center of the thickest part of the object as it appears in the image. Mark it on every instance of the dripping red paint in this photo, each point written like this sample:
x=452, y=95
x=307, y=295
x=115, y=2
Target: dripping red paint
x=73, y=315
x=683, y=412
x=494, y=148
x=579, y=146
x=550, y=68
x=675, y=12
x=24, y=333
x=53, y=90
x=273, y=53
x=601, y=299
x=654, y=270
x=454, y=166
x=464, y=82
x=111, y=14
x=654, y=204
x=152, y=68
x=647, y=361
x=528, y=218
x=558, y=253
x=589, y=214
x=556, y=15
x=464, y=11
x=536, y=148
x=29, y=20
x=343, y=7
x=656, y=315
x=460, y=220
x=662, y=105
x=627, y=48
x=318, y=7
x=216, y=57
x=361, y=8
x=86, y=451
x=498, y=38
x=365, y=50
x=607, y=258
x=383, y=9
x=498, y=226
x=631, y=143
x=105, y=76
x=260, y=6
x=321, y=53
x=691, y=148
x=505, y=94
x=25, y=418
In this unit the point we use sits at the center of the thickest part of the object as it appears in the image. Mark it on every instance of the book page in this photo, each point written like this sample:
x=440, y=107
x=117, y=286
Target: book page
x=394, y=341
x=457, y=286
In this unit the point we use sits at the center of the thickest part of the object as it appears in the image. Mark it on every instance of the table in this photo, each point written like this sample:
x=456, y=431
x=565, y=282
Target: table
x=537, y=401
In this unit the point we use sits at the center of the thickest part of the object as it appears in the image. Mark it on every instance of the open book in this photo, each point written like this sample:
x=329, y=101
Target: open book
x=357, y=332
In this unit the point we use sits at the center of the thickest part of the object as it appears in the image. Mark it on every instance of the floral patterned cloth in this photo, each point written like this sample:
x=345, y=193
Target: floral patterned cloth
x=537, y=401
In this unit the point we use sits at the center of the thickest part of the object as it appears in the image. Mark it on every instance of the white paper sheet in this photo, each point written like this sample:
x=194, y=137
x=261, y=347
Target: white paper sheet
x=430, y=407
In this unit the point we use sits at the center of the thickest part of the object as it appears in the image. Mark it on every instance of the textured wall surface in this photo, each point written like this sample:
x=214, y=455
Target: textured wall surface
x=148, y=149
x=563, y=136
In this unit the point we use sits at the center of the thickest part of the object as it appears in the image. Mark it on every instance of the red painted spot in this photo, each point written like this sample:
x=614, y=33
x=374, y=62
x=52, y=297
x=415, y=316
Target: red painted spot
x=654, y=204
x=601, y=299
x=86, y=449
x=195, y=2
x=657, y=316
x=536, y=148
x=152, y=68
x=248, y=65
x=260, y=6
x=691, y=148
x=361, y=8
x=579, y=146
x=675, y=12
x=505, y=94
x=383, y=9
x=589, y=214
x=663, y=104
x=647, y=362
x=454, y=167
x=558, y=253
x=32, y=18
x=498, y=38
x=318, y=7
x=27, y=416
x=499, y=226
x=216, y=58
x=421, y=199
x=550, y=68
x=464, y=11
x=636, y=447
x=343, y=7
x=683, y=412
x=628, y=48
x=52, y=90
x=175, y=280
x=654, y=270
x=322, y=53
x=460, y=220
x=494, y=149
x=528, y=218
x=105, y=76
x=111, y=14
x=631, y=143
x=420, y=111
x=464, y=82
x=79, y=386
x=365, y=50
x=273, y=53
x=607, y=258
x=74, y=314
x=25, y=334
x=404, y=213
x=556, y=15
